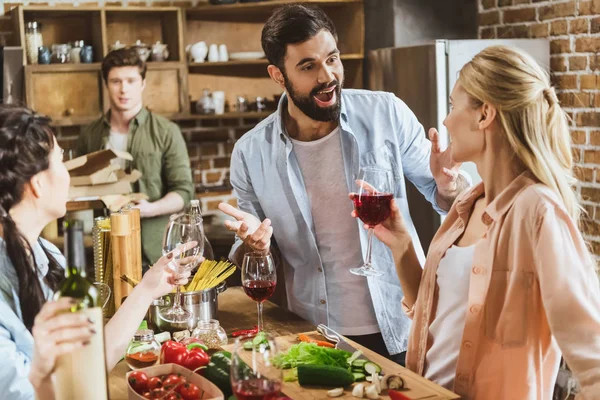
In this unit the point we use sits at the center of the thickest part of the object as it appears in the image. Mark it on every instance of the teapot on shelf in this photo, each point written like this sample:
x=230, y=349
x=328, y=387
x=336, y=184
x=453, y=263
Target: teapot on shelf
x=160, y=52
x=197, y=52
x=117, y=46
x=142, y=49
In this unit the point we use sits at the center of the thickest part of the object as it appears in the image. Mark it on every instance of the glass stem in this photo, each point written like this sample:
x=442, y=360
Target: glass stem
x=259, y=304
x=370, y=241
x=177, y=302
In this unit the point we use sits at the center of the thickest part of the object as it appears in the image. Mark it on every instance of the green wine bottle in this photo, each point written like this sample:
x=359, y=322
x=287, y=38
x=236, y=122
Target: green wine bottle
x=81, y=374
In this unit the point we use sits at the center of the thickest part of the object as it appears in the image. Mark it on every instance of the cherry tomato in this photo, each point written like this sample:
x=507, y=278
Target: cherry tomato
x=138, y=381
x=157, y=393
x=154, y=383
x=173, y=396
x=172, y=381
x=147, y=395
x=189, y=391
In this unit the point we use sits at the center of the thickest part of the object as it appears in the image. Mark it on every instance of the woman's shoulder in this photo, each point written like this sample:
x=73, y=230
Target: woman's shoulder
x=53, y=251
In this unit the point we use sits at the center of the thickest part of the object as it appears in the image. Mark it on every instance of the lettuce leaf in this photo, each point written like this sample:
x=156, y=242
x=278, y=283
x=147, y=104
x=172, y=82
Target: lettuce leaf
x=310, y=353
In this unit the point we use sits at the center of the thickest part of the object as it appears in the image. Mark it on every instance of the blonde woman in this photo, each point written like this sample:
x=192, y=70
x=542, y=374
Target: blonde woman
x=508, y=283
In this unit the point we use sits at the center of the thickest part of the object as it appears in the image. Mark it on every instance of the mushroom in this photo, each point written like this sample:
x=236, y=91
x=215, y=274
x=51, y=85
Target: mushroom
x=371, y=392
x=358, y=391
x=392, y=381
x=376, y=382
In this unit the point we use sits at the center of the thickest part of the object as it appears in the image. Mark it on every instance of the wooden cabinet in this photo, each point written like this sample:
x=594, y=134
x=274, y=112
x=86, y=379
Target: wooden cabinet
x=166, y=89
x=65, y=91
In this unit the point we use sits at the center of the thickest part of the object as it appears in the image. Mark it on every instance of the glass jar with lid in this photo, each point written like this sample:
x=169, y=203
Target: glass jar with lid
x=211, y=334
x=143, y=350
x=61, y=53
x=33, y=41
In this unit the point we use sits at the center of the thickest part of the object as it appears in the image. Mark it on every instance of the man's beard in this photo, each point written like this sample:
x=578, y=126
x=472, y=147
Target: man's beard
x=309, y=106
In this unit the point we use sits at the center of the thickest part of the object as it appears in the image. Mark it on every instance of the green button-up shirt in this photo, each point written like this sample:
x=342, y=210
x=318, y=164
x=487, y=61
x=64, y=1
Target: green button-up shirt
x=160, y=154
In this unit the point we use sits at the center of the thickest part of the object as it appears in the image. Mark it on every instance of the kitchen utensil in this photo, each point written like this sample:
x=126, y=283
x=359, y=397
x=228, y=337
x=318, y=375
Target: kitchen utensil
x=219, y=101
x=213, y=53
x=44, y=55
x=242, y=104
x=76, y=47
x=86, y=55
x=247, y=55
x=33, y=40
x=160, y=52
x=142, y=50
x=60, y=54
x=198, y=52
x=338, y=339
x=223, y=55
x=202, y=304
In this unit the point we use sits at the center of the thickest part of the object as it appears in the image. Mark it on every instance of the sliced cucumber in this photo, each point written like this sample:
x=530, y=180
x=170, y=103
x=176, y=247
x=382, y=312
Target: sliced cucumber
x=359, y=370
x=359, y=363
x=371, y=367
x=358, y=376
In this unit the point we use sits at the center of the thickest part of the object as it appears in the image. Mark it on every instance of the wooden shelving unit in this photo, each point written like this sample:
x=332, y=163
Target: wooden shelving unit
x=74, y=94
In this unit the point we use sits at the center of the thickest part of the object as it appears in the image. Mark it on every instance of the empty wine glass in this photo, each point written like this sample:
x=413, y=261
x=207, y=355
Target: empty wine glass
x=253, y=374
x=259, y=279
x=373, y=206
x=182, y=230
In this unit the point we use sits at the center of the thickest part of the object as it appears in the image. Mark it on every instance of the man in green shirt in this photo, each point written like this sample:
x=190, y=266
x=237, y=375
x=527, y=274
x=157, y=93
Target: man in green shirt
x=156, y=144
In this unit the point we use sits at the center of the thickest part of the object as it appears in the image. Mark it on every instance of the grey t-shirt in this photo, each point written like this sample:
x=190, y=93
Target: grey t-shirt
x=350, y=306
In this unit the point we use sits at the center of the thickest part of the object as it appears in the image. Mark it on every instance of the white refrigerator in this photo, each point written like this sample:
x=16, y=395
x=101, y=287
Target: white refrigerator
x=423, y=77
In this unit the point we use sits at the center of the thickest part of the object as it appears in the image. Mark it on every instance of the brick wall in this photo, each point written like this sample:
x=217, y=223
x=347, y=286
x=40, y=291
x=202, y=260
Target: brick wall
x=573, y=27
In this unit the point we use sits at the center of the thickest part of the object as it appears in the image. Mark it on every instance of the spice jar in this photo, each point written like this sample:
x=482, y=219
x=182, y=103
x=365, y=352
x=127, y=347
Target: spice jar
x=211, y=334
x=75, y=51
x=33, y=40
x=143, y=350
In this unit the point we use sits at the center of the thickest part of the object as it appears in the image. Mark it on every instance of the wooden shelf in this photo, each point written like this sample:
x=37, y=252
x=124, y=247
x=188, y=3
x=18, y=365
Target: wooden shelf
x=206, y=66
x=39, y=68
x=207, y=11
x=231, y=115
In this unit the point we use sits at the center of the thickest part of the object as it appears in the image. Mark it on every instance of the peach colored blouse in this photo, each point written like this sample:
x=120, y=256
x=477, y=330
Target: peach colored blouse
x=533, y=293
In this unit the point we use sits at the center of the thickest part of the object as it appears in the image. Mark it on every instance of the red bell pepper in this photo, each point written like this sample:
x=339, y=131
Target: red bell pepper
x=396, y=395
x=173, y=352
x=191, y=356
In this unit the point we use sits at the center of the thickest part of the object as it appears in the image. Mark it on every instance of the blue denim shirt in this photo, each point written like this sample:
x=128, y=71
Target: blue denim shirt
x=377, y=128
x=16, y=342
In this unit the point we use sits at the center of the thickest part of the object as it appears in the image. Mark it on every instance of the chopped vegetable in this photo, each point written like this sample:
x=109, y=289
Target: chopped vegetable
x=392, y=381
x=371, y=392
x=376, y=383
x=354, y=357
x=396, y=395
x=335, y=392
x=245, y=332
x=290, y=375
x=358, y=363
x=358, y=376
x=371, y=367
x=310, y=353
x=325, y=375
x=358, y=391
x=303, y=338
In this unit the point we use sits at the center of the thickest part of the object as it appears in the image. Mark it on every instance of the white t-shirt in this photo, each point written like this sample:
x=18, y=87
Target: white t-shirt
x=350, y=306
x=446, y=329
x=118, y=141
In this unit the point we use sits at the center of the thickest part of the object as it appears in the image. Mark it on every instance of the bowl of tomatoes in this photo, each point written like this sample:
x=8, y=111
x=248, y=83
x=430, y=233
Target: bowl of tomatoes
x=170, y=382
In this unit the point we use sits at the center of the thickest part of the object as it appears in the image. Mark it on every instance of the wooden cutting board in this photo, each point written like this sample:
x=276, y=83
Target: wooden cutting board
x=417, y=387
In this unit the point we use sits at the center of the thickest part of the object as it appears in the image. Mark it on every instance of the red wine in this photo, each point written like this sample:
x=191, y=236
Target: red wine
x=373, y=209
x=256, y=389
x=259, y=290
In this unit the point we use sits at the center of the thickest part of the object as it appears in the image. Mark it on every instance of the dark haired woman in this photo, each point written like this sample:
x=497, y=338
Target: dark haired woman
x=33, y=332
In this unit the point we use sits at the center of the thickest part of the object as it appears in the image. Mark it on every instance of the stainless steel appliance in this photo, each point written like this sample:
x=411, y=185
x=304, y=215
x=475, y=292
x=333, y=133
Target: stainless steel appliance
x=11, y=59
x=423, y=77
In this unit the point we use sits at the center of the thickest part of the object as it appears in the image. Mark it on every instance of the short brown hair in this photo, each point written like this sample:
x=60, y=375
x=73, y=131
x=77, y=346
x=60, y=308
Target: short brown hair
x=122, y=58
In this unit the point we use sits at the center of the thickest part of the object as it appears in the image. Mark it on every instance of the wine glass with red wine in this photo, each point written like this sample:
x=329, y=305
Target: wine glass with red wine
x=372, y=203
x=259, y=279
x=253, y=375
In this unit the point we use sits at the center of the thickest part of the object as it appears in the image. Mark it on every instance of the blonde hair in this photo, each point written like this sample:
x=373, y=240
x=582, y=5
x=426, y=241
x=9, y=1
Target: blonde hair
x=536, y=127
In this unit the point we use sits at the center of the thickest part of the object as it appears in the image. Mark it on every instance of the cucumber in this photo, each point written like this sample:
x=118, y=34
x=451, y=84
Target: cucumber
x=248, y=345
x=371, y=367
x=359, y=363
x=358, y=376
x=325, y=375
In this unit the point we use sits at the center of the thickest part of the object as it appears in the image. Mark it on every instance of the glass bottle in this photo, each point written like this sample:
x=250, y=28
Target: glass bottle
x=33, y=40
x=143, y=350
x=71, y=381
x=211, y=333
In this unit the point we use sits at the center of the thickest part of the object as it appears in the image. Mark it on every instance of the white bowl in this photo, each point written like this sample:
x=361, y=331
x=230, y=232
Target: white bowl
x=247, y=55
